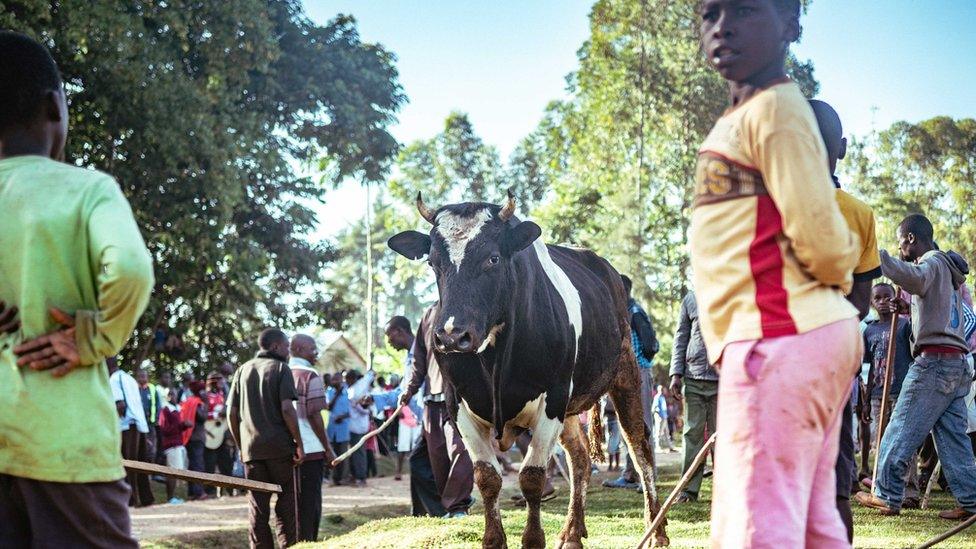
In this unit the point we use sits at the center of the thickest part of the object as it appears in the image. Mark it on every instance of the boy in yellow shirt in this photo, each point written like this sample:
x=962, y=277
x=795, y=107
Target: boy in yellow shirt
x=772, y=258
x=75, y=265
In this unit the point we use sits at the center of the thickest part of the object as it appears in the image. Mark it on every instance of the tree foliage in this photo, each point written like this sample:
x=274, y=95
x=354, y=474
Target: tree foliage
x=929, y=168
x=206, y=112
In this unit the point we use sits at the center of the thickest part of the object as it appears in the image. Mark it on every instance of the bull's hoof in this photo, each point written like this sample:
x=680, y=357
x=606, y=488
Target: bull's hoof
x=661, y=541
x=532, y=539
x=494, y=542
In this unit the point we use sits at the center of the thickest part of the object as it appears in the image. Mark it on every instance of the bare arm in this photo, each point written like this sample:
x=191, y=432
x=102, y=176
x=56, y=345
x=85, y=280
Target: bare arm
x=860, y=297
x=290, y=416
x=234, y=421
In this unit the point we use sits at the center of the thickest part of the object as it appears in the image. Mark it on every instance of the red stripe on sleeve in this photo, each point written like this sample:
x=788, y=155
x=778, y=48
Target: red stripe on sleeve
x=766, y=262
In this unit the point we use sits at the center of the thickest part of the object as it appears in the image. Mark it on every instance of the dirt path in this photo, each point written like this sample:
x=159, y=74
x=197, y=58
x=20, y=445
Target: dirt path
x=229, y=513
x=166, y=521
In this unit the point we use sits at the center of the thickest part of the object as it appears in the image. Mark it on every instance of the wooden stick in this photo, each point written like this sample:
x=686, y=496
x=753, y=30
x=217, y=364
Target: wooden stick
x=928, y=486
x=949, y=533
x=886, y=392
x=201, y=478
x=685, y=479
x=367, y=436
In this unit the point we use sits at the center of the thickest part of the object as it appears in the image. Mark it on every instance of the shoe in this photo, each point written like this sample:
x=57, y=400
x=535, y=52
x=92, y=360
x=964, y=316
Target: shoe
x=175, y=501
x=868, y=483
x=708, y=473
x=458, y=514
x=874, y=502
x=620, y=482
x=955, y=514
x=911, y=503
x=685, y=497
x=397, y=477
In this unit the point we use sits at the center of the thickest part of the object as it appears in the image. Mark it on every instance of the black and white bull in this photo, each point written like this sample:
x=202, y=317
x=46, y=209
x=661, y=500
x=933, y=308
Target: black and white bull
x=529, y=335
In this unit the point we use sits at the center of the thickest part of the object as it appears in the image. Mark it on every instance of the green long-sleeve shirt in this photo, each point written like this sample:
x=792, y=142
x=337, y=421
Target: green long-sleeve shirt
x=68, y=240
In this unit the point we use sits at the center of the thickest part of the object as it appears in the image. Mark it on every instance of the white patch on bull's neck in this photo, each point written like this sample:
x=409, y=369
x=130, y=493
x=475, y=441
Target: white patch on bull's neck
x=449, y=325
x=563, y=285
x=492, y=336
x=457, y=231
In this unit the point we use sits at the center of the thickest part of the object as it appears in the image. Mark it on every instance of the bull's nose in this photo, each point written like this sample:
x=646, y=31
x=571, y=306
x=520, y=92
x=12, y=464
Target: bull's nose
x=456, y=341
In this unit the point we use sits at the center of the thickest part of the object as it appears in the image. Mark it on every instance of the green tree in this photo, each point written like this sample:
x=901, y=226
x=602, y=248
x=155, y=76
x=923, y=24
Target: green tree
x=929, y=168
x=206, y=113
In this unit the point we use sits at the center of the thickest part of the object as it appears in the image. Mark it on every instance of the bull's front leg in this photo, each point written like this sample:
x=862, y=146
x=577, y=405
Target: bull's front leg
x=532, y=477
x=487, y=473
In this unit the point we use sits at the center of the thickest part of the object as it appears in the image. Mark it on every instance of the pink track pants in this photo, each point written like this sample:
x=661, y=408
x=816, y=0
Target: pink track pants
x=779, y=404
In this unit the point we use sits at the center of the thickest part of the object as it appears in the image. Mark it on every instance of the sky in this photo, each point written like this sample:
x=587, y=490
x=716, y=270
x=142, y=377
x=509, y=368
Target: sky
x=502, y=61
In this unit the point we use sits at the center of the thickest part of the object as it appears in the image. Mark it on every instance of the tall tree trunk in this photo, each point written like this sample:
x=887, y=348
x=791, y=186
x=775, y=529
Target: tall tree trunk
x=369, y=279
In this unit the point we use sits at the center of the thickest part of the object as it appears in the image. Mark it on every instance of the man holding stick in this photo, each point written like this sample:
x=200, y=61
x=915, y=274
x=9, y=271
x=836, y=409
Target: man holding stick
x=264, y=423
x=937, y=382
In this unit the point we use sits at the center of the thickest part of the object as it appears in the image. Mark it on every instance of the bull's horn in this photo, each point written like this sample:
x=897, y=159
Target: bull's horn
x=425, y=212
x=508, y=210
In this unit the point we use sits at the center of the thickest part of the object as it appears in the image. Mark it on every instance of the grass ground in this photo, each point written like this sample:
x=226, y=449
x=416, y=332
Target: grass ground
x=613, y=520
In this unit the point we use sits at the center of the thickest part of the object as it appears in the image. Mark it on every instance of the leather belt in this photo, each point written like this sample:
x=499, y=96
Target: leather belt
x=944, y=356
x=435, y=398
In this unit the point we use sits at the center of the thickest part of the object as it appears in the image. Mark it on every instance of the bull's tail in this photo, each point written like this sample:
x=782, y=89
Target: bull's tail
x=596, y=435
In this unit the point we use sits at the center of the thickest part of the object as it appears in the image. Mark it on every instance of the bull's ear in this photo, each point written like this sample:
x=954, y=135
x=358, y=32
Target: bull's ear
x=520, y=236
x=410, y=244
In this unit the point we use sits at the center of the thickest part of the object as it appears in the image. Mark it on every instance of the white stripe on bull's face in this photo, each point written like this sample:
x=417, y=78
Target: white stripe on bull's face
x=449, y=325
x=563, y=285
x=458, y=231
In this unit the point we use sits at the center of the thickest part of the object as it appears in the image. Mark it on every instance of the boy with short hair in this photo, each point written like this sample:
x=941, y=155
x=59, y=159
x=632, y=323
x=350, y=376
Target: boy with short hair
x=78, y=269
x=933, y=393
x=772, y=258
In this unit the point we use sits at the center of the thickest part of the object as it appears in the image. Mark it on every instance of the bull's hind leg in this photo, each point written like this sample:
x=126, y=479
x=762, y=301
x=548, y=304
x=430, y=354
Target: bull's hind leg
x=626, y=395
x=532, y=477
x=487, y=473
x=579, y=468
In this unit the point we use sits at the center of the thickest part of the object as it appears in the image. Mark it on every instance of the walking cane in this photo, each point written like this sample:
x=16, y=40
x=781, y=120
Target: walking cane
x=345, y=455
x=886, y=392
x=948, y=533
x=298, y=488
x=685, y=479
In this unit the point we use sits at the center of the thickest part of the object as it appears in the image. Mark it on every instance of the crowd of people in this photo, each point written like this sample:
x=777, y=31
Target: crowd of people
x=786, y=348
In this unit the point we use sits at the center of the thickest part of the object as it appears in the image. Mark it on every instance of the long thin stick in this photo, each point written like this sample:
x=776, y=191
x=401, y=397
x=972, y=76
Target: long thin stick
x=202, y=478
x=886, y=392
x=936, y=471
x=296, y=477
x=685, y=479
x=948, y=533
x=367, y=436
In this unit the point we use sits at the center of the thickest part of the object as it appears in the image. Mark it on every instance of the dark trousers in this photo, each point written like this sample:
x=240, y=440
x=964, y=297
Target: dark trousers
x=221, y=459
x=339, y=470
x=701, y=403
x=134, y=447
x=357, y=461
x=41, y=514
x=453, y=470
x=845, y=470
x=424, y=498
x=310, y=499
x=195, y=455
x=275, y=471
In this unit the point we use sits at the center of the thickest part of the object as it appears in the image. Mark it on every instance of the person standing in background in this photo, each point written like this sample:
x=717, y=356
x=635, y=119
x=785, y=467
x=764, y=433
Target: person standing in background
x=194, y=412
x=134, y=429
x=645, y=345
x=338, y=405
x=264, y=423
x=318, y=452
x=695, y=381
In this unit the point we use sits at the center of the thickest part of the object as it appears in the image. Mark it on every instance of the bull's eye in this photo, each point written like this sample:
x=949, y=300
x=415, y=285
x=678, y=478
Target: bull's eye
x=493, y=260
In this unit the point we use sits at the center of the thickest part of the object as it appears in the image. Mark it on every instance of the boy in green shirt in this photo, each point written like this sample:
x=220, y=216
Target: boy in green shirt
x=75, y=266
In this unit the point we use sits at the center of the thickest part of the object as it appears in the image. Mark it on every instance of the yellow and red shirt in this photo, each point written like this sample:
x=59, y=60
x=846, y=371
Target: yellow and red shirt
x=771, y=254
